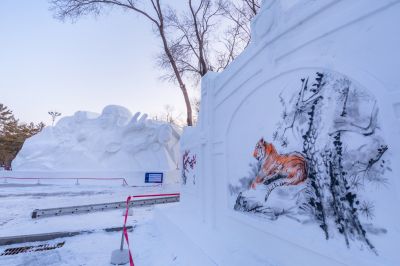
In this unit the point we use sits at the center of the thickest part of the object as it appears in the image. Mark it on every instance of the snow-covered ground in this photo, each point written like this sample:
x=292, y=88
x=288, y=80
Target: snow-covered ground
x=19, y=200
x=111, y=145
x=343, y=125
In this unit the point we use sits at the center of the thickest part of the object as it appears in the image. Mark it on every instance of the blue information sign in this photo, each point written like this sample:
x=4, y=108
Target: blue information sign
x=153, y=177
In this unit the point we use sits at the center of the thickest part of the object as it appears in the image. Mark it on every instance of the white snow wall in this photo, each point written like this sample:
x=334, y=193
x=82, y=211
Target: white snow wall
x=111, y=144
x=346, y=54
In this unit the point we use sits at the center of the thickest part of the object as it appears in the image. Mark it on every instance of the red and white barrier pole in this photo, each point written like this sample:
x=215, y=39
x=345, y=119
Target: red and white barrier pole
x=125, y=231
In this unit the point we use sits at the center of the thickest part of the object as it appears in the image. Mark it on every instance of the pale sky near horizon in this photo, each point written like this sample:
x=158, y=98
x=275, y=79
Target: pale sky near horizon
x=46, y=64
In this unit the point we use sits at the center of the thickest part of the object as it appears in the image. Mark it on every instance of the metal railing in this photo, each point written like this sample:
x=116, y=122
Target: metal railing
x=6, y=178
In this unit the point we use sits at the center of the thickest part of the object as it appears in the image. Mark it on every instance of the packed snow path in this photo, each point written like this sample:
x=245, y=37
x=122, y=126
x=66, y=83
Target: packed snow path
x=18, y=201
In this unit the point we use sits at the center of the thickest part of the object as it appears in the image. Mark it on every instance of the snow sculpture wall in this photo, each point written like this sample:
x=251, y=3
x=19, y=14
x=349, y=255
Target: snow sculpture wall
x=299, y=137
x=112, y=141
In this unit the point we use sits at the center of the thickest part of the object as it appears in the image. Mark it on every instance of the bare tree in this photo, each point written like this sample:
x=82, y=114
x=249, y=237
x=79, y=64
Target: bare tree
x=237, y=34
x=74, y=9
x=54, y=115
x=191, y=39
x=170, y=115
x=253, y=6
x=191, y=36
x=209, y=34
x=197, y=43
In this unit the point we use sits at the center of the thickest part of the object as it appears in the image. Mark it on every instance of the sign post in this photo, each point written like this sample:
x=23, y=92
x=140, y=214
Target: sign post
x=154, y=177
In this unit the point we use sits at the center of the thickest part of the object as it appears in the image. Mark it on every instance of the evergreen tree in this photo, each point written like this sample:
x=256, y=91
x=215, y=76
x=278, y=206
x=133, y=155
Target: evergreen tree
x=13, y=135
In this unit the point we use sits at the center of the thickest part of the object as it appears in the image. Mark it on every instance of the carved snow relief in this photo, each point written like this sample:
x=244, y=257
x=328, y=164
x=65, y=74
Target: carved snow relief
x=112, y=140
x=321, y=160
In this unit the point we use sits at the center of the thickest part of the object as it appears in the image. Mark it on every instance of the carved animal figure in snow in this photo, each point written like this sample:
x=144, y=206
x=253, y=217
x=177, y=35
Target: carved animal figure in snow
x=276, y=169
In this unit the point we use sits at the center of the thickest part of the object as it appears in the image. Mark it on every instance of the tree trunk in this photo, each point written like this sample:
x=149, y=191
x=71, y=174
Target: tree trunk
x=189, y=118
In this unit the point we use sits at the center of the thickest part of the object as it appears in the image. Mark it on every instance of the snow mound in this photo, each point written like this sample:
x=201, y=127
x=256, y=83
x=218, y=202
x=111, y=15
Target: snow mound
x=113, y=141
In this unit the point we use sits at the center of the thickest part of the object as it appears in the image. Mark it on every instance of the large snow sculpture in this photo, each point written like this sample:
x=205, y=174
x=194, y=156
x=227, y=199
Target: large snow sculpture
x=112, y=141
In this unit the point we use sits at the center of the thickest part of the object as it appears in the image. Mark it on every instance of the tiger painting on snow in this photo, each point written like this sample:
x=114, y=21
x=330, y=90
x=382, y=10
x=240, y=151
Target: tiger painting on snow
x=276, y=169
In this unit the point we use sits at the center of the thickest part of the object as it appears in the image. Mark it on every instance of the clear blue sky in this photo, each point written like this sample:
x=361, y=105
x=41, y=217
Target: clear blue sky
x=46, y=64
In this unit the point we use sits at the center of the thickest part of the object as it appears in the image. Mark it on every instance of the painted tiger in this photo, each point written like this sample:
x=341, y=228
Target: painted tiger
x=276, y=169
